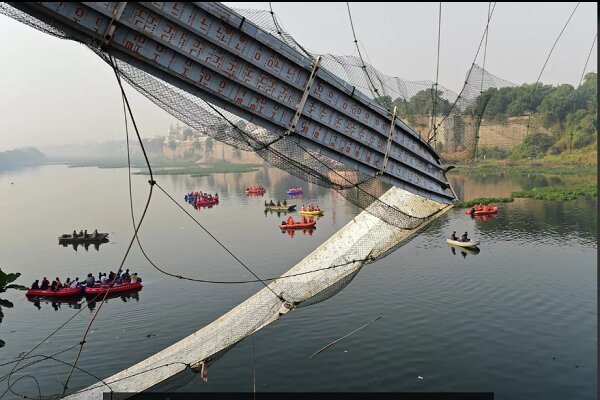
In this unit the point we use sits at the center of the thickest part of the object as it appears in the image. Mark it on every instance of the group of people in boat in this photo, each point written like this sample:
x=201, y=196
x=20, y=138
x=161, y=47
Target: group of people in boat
x=84, y=235
x=310, y=208
x=279, y=204
x=199, y=197
x=255, y=189
x=464, y=238
x=290, y=220
x=295, y=189
x=482, y=207
x=90, y=281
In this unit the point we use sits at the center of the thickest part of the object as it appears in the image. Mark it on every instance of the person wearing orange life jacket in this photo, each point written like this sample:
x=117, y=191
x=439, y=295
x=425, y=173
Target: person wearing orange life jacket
x=304, y=219
x=303, y=209
x=290, y=220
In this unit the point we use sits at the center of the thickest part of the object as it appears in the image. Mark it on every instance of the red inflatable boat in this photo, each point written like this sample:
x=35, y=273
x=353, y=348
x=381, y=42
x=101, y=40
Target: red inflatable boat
x=298, y=225
x=125, y=287
x=63, y=292
x=485, y=211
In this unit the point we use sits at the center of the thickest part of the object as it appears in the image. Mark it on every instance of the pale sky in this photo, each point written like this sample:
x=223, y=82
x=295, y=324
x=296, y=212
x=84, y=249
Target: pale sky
x=58, y=92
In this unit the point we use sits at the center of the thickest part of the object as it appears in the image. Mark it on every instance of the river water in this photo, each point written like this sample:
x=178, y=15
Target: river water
x=517, y=319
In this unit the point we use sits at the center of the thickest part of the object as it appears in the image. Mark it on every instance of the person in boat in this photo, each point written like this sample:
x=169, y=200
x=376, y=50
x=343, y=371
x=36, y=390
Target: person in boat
x=133, y=278
x=74, y=234
x=290, y=220
x=285, y=203
x=318, y=208
x=465, y=238
x=58, y=282
x=125, y=275
x=104, y=279
x=45, y=284
x=89, y=281
x=278, y=203
x=67, y=283
x=81, y=233
x=36, y=284
x=302, y=208
x=75, y=283
x=95, y=234
x=473, y=210
x=454, y=237
x=310, y=220
x=54, y=286
x=111, y=276
x=271, y=203
x=304, y=219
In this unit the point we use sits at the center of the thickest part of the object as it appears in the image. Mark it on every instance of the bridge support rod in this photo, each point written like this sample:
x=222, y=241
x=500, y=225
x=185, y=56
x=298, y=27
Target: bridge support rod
x=389, y=142
x=300, y=107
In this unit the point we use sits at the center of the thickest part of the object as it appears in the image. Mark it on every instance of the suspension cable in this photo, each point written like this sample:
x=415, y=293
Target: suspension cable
x=544, y=67
x=437, y=72
x=470, y=70
x=373, y=88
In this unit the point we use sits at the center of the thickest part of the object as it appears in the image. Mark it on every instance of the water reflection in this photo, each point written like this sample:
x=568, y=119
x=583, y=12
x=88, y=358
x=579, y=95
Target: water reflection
x=502, y=184
x=125, y=297
x=278, y=212
x=86, y=246
x=484, y=218
x=56, y=303
x=292, y=232
x=464, y=251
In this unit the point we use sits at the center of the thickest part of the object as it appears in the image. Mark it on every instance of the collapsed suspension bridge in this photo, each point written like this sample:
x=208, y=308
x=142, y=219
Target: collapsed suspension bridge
x=209, y=65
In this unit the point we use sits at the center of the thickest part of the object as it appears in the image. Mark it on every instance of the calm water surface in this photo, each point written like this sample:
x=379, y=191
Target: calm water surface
x=519, y=318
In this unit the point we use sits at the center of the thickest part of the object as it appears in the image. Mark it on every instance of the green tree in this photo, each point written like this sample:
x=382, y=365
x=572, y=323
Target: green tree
x=422, y=103
x=557, y=105
x=534, y=146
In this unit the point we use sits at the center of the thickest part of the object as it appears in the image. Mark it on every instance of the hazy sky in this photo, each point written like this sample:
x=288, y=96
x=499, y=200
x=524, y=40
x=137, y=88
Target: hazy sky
x=56, y=92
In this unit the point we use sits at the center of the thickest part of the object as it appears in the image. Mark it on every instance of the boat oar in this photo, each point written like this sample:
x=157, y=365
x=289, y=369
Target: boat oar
x=345, y=336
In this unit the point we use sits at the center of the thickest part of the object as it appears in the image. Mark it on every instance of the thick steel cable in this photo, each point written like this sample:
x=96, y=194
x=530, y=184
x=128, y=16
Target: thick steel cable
x=151, y=182
x=588, y=59
x=470, y=70
x=487, y=34
x=373, y=88
x=575, y=95
x=14, y=368
x=544, y=67
x=437, y=72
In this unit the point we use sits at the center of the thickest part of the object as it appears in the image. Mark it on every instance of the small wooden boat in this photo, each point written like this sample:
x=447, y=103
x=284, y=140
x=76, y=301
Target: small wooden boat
x=117, y=288
x=85, y=238
x=299, y=225
x=469, y=244
x=477, y=212
x=62, y=292
x=289, y=207
x=315, y=212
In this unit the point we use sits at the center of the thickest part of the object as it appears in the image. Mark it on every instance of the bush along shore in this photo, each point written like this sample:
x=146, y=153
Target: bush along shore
x=553, y=193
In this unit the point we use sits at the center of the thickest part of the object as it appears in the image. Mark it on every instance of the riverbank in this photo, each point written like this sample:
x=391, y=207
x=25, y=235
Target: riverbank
x=552, y=193
x=531, y=168
x=164, y=166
